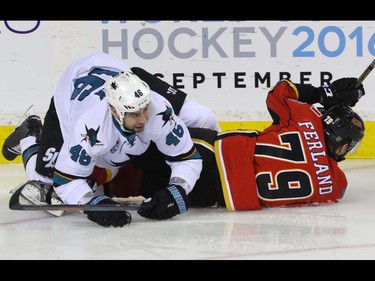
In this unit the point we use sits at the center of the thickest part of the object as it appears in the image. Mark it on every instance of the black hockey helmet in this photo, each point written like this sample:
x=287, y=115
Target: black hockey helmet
x=342, y=126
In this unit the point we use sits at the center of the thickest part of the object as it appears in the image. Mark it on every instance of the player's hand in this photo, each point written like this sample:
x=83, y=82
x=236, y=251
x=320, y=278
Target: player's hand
x=165, y=203
x=341, y=91
x=108, y=218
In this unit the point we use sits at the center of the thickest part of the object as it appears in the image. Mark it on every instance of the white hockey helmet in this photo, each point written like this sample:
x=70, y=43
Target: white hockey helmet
x=126, y=92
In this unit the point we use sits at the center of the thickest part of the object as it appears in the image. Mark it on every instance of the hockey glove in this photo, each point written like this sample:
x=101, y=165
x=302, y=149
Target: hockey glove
x=108, y=218
x=165, y=203
x=341, y=91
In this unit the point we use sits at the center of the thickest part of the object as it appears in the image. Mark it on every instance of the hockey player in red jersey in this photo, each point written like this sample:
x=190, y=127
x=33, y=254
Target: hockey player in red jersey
x=293, y=162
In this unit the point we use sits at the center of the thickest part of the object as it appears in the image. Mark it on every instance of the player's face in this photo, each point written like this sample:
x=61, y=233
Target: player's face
x=135, y=121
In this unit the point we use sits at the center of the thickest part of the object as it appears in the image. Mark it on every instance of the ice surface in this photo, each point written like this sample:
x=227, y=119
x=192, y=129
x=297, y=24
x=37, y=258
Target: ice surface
x=341, y=231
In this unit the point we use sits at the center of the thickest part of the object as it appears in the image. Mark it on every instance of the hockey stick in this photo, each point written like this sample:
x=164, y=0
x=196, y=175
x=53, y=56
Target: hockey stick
x=365, y=73
x=14, y=204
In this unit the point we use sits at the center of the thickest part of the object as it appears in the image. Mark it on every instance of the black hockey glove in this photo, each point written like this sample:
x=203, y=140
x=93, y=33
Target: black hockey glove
x=108, y=218
x=341, y=91
x=165, y=203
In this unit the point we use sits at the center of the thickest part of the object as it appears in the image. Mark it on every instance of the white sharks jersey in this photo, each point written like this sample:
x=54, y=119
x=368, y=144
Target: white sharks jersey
x=171, y=137
x=92, y=137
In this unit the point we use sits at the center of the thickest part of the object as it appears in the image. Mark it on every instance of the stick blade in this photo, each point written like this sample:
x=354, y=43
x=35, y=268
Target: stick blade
x=14, y=202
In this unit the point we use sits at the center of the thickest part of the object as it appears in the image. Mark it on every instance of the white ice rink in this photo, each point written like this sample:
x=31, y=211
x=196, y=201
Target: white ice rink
x=343, y=231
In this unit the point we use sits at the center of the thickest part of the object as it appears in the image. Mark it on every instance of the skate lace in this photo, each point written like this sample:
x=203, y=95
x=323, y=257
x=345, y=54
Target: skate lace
x=15, y=149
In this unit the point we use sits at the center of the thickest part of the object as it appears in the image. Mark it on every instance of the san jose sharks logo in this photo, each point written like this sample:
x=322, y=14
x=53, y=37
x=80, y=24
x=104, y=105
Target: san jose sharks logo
x=167, y=115
x=114, y=85
x=91, y=136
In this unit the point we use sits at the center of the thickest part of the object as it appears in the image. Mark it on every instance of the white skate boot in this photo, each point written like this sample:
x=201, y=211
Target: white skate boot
x=36, y=192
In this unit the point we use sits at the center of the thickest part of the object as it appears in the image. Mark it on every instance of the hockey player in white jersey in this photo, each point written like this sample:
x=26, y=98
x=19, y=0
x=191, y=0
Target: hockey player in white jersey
x=104, y=115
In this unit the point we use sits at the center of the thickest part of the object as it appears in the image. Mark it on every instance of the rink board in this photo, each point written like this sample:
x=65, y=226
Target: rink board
x=366, y=150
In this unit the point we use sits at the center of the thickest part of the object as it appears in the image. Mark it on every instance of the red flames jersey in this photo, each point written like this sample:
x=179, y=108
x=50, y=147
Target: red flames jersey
x=284, y=165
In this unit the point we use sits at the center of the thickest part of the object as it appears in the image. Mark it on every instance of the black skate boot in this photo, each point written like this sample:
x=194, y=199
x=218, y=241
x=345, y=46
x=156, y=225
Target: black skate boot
x=32, y=126
x=40, y=193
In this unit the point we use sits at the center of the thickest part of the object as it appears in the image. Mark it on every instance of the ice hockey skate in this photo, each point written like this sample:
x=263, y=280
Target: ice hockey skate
x=30, y=126
x=37, y=193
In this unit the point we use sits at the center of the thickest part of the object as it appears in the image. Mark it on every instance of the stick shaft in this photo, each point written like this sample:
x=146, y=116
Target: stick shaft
x=365, y=73
x=14, y=204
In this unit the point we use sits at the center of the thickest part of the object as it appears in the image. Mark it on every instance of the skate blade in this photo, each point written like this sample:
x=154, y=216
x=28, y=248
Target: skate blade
x=29, y=196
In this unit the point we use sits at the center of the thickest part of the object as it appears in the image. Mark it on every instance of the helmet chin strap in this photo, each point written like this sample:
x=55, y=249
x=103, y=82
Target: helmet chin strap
x=120, y=126
x=127, y=131
x=120, y=123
